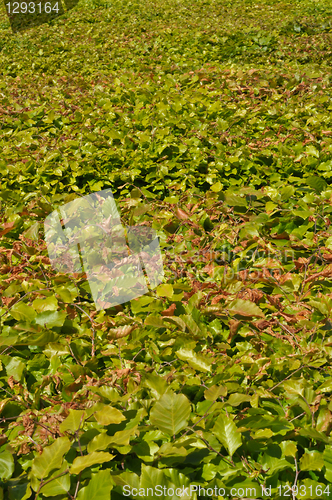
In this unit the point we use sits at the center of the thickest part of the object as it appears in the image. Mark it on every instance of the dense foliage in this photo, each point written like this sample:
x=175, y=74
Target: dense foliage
x=211, y=122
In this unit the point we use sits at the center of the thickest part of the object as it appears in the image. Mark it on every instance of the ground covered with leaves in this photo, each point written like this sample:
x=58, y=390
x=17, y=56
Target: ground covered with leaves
x=211, y=123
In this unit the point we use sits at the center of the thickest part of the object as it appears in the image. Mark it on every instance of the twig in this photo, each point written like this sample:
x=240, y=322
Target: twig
x=77, y=486
x=42, y=483
x=295, y=480
x=215, y=451
x=143, y=349
x=71, y=352
x=301, y=415
x=289, y=376
x=46, y=428
x=14, y=396
x=283, y=327
x=51, y=204
x=205, y=415
x=3, y=352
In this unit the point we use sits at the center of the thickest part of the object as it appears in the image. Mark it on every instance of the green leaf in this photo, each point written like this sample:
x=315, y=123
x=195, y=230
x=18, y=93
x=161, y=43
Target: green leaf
x=245, y=308
x=171, y=413
x=6, y=465
x=270, y=206
x=73, y=422
x=51, y=458
x=33, y=232
x=165, y=290
x=217, y=187
x=96, y=457
x=22, y=312
x=156, y=384
x=272, y=460
x=193, y=328
x=58, y=485
x=289, y=448
x=317, y=183
x=120, y=438
x=236, y=399
x=227, y=433
x=20, y=491
x=109, y=415
x=214, y=392
x=312, y=151
x=150, y=478
x=312, y=460
x=67, y=293
x=99, y=487
x=304, y=214
x=311, y=433
x=156, y=321
x=109, y=393
x=48, y=304
x=175, y=320
x=286, y=192
x=196, y=360
x=325, y=387
x=327, y=457
x=56, y=349
x=15, y=369
x=50, y=319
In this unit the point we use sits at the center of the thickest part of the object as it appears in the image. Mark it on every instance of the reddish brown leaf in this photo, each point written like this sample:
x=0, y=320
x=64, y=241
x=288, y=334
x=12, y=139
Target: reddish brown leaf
x=285, y=277
x=300, y=263
x=274, y=300
x=209, y=268
x=169, y=311
x=218, y=298
x=251, y=294
x=262, y=324
x=8, y=226
x=121, y=373
x=327, y=257
x=322, y=274
x=233, y=327
x=181, y=214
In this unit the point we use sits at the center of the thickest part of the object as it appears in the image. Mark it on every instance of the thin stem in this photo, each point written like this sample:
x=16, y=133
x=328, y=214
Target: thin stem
x=71, y=352
x=301, y=415
x=42, y=483
x=14, y=396
x=77, y=485
x=295, y=480
x=289, y=376
x=205, y=415
x=215, y=451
